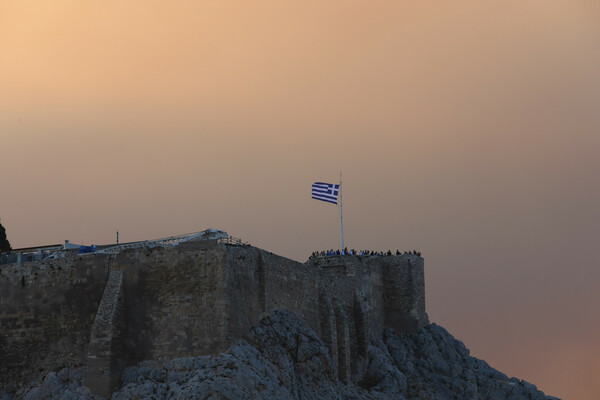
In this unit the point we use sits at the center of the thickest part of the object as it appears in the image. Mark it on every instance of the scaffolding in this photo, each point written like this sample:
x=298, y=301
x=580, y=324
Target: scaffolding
x=209, y=234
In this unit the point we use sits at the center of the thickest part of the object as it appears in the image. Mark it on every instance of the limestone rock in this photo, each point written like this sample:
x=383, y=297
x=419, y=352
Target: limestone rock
x=281, y=358
x=64, y=385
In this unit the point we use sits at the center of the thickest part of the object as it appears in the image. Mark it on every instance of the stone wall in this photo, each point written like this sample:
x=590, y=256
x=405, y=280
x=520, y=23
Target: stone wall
x=344, y=299
x=174, y=301
x=46, y=313
x=192, y=299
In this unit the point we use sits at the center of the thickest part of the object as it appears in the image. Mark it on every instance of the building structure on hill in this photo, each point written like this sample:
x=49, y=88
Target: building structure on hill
x=188, y=296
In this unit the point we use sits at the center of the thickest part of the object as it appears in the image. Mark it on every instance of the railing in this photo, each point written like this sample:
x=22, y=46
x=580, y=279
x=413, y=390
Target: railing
x=49, y=252
x=230, y=240
x=28, y=254
x=8, y=258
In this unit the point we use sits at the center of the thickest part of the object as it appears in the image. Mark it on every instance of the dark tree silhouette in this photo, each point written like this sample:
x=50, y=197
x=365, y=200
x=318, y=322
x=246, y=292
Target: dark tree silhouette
x=4, y=243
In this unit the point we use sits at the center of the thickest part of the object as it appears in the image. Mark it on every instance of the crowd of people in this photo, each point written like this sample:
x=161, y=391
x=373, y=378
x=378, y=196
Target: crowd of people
x=345, y=252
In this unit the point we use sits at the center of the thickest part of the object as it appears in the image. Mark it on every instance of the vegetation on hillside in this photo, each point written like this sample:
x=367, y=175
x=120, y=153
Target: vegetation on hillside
x=4, y=243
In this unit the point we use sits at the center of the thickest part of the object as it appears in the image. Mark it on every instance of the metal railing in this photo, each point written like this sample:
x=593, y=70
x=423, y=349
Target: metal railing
x=230, y=240
x=28, y=254
x=8, y=258
x=49, y=252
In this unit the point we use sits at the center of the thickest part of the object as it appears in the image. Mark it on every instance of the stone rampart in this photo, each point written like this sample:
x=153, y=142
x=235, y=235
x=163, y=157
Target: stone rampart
x=108, y=311
x=46, y=313
x=369, y=292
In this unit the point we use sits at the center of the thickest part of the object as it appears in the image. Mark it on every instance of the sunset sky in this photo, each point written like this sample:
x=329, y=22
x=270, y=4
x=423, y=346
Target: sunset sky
x=468, y=130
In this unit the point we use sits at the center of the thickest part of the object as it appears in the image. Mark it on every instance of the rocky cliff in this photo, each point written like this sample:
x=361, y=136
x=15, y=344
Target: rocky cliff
x=196, y=298
x=282, y=358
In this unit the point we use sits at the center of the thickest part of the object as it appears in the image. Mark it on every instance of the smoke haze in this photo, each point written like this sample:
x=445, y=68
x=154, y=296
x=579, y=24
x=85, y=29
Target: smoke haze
x=466, y=130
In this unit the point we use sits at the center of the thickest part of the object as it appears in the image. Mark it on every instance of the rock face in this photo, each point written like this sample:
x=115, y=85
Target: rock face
x=281, y=358
x=65, y=384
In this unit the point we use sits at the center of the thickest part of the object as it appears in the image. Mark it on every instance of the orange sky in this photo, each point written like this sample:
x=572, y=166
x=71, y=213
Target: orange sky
x=468, y=130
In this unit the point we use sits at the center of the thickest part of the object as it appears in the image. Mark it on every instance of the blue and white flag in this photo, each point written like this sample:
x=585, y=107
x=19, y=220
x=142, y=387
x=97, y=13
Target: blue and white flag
x=325, y=192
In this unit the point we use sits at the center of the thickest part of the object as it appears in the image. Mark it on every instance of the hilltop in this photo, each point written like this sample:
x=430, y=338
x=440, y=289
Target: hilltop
x=198, y=315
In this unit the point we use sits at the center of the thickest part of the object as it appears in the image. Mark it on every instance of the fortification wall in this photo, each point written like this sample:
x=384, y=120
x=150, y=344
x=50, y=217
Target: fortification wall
x=245, y=289
x=192, y=299
x=344, y=299
x=174, y=303
x=177, y=301
x=46, y=313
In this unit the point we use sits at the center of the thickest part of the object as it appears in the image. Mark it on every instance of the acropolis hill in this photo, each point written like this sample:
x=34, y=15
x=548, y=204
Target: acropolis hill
x=121, y=305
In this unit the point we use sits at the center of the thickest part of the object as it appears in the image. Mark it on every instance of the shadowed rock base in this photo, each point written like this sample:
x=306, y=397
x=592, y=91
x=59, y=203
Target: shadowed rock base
x=282, y=358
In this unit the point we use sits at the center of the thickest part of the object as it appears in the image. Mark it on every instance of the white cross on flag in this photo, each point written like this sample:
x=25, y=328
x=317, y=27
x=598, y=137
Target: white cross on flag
x=325, y=192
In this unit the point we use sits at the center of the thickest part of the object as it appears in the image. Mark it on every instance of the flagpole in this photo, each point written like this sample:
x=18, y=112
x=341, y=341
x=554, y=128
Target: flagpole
x=341, y=213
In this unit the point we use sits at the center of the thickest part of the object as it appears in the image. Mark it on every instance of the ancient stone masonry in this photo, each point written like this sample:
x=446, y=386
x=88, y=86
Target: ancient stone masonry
x=360, y=320
x=108, y=311
x=104, y=362
x=343, y=342
x=46, y=315
x=328, y=326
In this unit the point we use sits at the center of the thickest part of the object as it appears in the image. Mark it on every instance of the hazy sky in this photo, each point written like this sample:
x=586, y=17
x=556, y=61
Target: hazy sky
x=468, y=130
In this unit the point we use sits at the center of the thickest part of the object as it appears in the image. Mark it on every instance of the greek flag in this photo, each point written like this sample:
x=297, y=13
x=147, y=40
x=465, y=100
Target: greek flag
x=325, y=192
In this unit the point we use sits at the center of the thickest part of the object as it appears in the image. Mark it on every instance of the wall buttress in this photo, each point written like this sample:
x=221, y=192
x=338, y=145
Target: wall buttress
x=343, y=341
x=328, y=327
x=104, y=366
